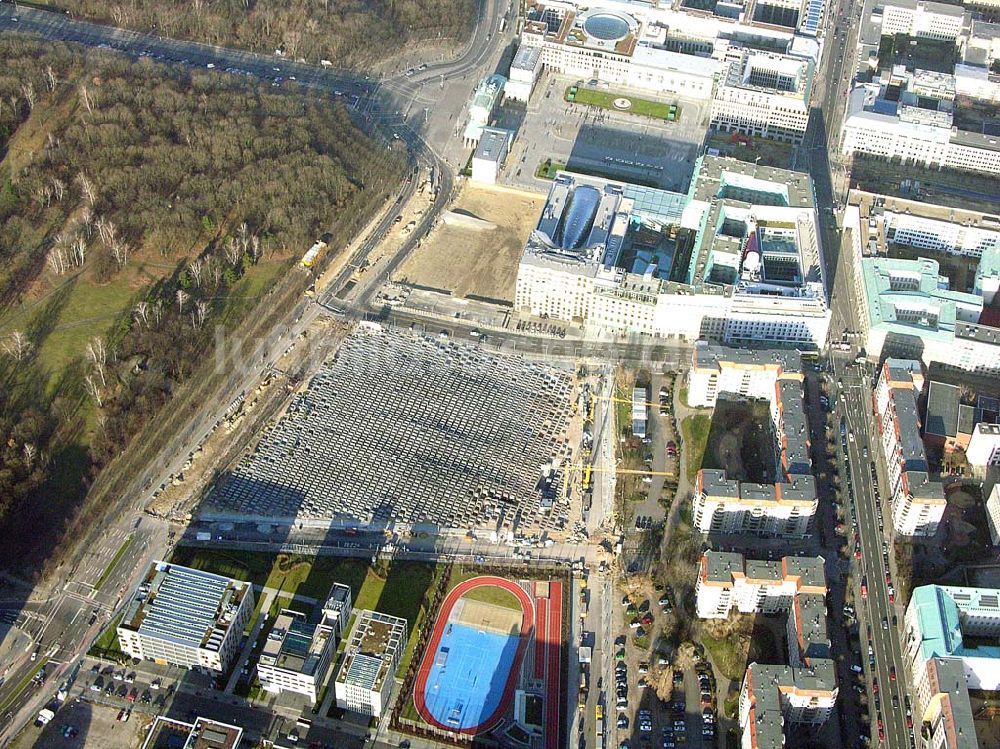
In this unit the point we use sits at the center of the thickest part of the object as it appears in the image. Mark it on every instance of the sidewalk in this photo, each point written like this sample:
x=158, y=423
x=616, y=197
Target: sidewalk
x=234, y=677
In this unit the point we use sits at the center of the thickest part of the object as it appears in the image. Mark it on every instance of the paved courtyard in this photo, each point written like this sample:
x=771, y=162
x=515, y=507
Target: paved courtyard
x=613, y=144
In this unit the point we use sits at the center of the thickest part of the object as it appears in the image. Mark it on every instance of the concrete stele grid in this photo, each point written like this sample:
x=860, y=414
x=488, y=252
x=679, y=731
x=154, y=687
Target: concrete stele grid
x=408, y=428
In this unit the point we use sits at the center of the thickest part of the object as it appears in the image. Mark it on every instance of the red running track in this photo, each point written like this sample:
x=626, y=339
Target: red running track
x=527, y=623
x=554, y=697
x=541, y=636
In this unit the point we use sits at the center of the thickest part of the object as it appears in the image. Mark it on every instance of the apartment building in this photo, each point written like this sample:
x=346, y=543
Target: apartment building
x=772, y=696
x=725, y=505
x=941, y=699
x=368, y=669
x=727, y=580
x=296, y=655
x=917, y=500
x=186, y=617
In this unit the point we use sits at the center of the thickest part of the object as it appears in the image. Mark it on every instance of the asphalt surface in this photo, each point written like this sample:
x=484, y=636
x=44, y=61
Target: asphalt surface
x=66, y=620
x=880, y=620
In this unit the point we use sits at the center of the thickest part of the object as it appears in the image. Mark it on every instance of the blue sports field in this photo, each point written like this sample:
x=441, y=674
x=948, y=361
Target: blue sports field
x=467, y=679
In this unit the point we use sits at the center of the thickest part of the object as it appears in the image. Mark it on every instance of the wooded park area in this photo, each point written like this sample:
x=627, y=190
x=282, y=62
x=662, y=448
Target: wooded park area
x=141, y=205
x=353, y=33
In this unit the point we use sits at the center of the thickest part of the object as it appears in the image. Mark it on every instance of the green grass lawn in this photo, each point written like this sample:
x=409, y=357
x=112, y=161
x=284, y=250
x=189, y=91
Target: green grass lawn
x=247, y=291
x=605, y=100
x=494, y=595
x=695, y=430
x=726, y=656
x=106, y=645
x=305, y=576
x=114, y=562
x=548, y=169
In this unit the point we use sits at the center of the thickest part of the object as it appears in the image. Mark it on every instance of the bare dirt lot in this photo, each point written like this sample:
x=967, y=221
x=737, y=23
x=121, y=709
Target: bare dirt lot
x=477, y=261
x=97, y=728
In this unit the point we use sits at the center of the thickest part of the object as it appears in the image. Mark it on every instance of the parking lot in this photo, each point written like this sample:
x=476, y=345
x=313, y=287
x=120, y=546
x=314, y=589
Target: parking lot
x=607, y=143
x=637, y=713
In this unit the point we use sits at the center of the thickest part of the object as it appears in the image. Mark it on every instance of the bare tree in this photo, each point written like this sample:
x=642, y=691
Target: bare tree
x=85, y=99
x=141, y=312
x=93, y=390
x=58, y=187
x=98, y=354
x=182, y=297
x=28, y=91
x=255, y=248
x=232, y=250
x=196, y=267
x=50, y=78
x=79, y=250
x=30, y=451
x=105, y=230
x=157, y=311
x=17, y=345
x=120, y=251
x=86, y=188
x=56, y=260
x=200, y=313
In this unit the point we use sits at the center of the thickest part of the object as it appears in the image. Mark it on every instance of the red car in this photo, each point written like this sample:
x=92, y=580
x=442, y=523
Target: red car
x=892, y=673
x=892, y=597
x=875, y=686
x=647, y=619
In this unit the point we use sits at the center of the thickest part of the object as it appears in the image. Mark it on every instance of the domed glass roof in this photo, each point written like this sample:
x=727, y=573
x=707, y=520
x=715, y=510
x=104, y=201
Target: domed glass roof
x=608, y=27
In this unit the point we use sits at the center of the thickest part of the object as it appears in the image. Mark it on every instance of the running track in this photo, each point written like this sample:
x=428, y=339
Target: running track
x=527, y=623
x=554, y=697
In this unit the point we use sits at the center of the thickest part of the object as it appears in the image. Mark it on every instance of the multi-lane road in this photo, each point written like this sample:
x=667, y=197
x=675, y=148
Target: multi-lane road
x=877, y=615
x=63, y=612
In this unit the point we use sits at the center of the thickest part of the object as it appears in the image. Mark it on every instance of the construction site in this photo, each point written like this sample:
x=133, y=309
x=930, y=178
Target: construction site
x=416, y=433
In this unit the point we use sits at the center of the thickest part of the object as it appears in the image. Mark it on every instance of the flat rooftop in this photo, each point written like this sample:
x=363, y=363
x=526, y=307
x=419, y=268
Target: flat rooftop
x=295, y=644
x=168, y=733
x=184, y=606
x=375, y=643
x=407, y=428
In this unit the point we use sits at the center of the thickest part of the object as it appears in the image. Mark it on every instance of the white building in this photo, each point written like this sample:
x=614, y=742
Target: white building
x=917, y=500
x=737, y=259
x=984, y=447
x=639, y=412
x=485, y=99
x=724, y=505
x=763, y=94
x=774, y=696
x=727, y=580
x=525, y=69
x=338, y=607
x=488, y=158
x=296, y=655
x=186, y=617
x=368, y=669
x=938, y=620
x=918, y=18
x=670, y=51
x=993, y=514
x=907, y=304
